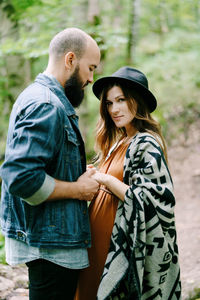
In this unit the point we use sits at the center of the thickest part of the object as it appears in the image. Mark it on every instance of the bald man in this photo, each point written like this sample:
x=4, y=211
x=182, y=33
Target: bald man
x=45, y=185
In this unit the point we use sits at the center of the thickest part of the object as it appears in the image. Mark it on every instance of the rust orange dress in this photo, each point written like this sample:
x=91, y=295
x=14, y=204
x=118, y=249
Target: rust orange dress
x=102, y=211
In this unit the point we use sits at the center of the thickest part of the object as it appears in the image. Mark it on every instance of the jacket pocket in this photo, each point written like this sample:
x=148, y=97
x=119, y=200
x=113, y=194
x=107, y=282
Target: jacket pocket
x=72, y=159
x=71, y=136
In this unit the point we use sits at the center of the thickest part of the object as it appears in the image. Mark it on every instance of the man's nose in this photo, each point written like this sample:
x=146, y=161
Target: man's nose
x=91, y=78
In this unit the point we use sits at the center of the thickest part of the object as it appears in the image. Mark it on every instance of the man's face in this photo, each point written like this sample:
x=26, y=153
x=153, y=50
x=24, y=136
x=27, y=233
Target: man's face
x=74, y=88
x=83, y=74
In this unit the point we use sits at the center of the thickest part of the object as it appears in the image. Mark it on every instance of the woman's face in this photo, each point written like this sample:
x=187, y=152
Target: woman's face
x=118, y=109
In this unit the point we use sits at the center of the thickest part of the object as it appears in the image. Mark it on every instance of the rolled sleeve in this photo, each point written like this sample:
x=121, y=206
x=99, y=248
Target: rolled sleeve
x=43, y=193
x=34, y=140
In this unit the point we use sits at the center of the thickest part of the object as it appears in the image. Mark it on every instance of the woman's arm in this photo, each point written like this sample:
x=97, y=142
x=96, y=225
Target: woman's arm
x=117, y=187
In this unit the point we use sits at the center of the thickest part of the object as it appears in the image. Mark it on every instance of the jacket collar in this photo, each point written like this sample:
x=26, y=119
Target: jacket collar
x=54, y=85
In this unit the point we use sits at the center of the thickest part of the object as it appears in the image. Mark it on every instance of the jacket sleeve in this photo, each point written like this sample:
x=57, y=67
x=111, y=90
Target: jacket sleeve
x=36, y=136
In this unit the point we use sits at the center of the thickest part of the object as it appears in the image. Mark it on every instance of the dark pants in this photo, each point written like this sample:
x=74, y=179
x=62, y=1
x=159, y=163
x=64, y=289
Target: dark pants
x=48, y=281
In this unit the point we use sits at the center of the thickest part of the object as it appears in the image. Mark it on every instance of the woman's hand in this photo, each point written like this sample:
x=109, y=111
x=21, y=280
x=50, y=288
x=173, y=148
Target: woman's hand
x=91, y=166
x=117, y=187
x=101, y=178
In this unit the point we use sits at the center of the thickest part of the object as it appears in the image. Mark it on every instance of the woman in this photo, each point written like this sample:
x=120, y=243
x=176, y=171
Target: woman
x=134, y=253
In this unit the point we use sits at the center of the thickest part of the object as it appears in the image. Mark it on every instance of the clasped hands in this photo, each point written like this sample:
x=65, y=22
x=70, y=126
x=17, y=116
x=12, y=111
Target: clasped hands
x=89, y=183
x=100, y=177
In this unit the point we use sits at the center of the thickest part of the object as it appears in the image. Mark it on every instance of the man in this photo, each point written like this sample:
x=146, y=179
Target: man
x=45, y=184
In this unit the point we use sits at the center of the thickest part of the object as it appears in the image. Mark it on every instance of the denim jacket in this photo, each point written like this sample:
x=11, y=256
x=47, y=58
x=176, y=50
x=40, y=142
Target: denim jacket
x=44, y=142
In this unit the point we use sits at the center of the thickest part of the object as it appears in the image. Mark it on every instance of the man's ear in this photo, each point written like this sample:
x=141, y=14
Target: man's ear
x=70, y=61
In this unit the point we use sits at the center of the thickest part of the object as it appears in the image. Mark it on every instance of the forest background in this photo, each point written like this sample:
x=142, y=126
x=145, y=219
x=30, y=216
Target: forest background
x=160, y=37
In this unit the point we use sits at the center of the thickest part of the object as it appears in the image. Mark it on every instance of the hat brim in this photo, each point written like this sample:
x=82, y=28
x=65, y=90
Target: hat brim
x=101, y=83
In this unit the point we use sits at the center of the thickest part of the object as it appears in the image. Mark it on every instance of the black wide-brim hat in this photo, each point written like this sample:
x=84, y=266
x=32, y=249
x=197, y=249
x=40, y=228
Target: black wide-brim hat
x=136, y=79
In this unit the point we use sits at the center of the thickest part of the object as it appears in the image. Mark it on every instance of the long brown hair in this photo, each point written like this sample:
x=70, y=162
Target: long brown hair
x=106, y=131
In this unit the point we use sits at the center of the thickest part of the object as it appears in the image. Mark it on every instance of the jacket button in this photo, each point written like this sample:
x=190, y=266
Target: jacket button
x=84, y=212
x=86, y=241
x=20, y=234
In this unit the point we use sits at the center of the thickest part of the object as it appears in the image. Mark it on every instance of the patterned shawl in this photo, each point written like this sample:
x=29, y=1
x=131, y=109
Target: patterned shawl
x=142, y=262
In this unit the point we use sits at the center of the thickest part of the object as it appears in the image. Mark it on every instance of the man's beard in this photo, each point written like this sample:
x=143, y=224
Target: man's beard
x=74, y=89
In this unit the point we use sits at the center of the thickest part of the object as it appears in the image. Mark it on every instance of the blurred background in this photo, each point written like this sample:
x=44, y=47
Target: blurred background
x=160, y=37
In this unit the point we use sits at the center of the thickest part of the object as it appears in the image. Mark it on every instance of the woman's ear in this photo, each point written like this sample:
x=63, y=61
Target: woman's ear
x=70, y=60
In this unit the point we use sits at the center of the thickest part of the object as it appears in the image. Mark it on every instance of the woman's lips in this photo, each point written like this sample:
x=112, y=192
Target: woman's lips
x=117, y=118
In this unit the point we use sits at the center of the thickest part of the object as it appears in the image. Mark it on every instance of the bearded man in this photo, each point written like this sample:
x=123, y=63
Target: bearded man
x=45, y=185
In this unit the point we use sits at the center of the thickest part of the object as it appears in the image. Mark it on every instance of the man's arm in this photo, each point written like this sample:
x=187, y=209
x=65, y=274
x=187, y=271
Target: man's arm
x=28, y=153
x=84, y=188
x=52, y=189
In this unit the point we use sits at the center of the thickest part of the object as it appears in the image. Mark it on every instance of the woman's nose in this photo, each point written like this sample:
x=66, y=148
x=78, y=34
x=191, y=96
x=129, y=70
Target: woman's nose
x=115, y=108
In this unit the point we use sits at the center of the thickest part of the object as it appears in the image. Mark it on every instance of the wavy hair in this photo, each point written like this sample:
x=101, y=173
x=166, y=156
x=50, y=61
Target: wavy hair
x=106, y=131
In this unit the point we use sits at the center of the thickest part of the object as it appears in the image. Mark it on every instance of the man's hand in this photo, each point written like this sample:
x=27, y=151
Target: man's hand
x=85, y=188
x=88, y=187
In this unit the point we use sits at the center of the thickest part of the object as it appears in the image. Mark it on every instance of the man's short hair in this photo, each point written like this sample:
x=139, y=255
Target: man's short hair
x=70, y=39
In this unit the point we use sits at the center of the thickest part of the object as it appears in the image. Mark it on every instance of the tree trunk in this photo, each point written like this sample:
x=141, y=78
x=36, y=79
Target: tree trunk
x=197, y=11
x=93, y=12
x=163, y=18
x=92, y=15
x=133, y=30
x=14, y=68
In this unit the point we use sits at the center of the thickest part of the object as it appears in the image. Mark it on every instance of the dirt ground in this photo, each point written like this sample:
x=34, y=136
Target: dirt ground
x=184, y=159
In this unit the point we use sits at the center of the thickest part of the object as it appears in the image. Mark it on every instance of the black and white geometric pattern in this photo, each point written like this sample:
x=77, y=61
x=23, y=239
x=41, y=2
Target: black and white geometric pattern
x=142, y=262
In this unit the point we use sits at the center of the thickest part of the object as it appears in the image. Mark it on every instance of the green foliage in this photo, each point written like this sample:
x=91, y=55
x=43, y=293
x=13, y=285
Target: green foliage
x=2, y=249
x=167, y=50
x=195, y=295
x=173, y=73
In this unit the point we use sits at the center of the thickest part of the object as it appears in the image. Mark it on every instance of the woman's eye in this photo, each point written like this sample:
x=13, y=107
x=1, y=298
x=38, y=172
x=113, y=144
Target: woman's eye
x=122, y=99
x=108, y=103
